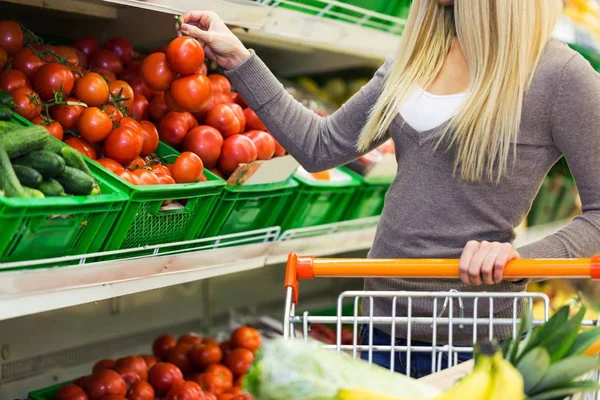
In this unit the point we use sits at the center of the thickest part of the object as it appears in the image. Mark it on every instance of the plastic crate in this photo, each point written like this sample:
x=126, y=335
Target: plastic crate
x=369, y=197
x=34, y=229
x=251, y=207
x=318, y=202
x=48, y=393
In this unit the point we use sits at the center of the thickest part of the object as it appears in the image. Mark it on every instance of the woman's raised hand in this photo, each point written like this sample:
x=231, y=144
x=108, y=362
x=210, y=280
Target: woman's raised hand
x=220, y=44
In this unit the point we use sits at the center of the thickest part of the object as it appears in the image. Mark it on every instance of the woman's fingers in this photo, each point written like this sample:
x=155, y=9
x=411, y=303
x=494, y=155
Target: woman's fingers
x=484, y=262
x=196, y=33
x=465, y=260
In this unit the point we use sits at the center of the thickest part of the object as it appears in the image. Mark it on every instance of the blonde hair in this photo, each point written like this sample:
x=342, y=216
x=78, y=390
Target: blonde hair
x=503, y=41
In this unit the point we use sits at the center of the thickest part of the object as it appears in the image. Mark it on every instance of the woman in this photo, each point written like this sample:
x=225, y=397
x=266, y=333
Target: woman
x=480, y=103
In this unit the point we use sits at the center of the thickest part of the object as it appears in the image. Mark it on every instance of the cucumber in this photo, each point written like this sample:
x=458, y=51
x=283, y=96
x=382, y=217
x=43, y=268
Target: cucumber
x=5, y=112
x=7, y=127
x=9, y=183
x=33, y=193
x=76, y=182
x=46, y=163
x=28, y=176
x=51, y=187
x=5, y=98
x=74, y=159
x=53, y=145
x=20, y=141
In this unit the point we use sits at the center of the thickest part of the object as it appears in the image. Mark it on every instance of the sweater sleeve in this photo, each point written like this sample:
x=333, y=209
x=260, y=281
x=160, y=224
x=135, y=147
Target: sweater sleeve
x=576, y=134
x=318, y=143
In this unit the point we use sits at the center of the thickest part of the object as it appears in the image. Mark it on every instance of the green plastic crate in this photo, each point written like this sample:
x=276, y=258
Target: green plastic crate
x=318, y=202
x=34, y=229
x=369, y=197
x=251, y=207
x=48, y=393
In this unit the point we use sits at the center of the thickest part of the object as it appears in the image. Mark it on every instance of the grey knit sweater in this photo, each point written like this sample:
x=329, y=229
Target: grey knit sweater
x=428, y=212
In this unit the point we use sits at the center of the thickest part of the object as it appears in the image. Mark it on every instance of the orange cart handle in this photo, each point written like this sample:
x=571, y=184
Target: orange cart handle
x=308, y=267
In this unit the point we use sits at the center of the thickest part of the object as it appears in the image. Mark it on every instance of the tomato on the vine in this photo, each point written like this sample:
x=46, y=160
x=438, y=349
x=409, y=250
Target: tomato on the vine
x=13, y=79
x=87, y=45
x=94, y=125
x=113, y=112
x=150, y=136
x=114, y=167
x=53, y=127
x=82, y=146
x=91, y=89
x=26, y=103
x=67, y=114
x=51, y=78
x=237, y=149
x=192, y=93
x=11, y=36
x=206, y=142
x=71, y=392
x=137, y=163
x=121, y=94
x=224, y=119
x=123, y=144
x=185, y=55
x=67, y=53
x=140, y=108
x=187, y=168
x=174, y=127
x=163, y=376
x=156, y=73
x=265, y=144
x=121, y=47
x=108, y=75
x=220, y=83
x=103, y=58
x=27, y=62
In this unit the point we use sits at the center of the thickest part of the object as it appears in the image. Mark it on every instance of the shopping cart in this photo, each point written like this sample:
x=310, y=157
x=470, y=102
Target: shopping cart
x=448, y=308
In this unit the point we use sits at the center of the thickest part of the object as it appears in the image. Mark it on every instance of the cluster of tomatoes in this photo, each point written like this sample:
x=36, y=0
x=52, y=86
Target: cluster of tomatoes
x=188, y=368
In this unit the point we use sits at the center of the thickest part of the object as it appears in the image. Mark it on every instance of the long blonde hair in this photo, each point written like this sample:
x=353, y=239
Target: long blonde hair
x=503, y=41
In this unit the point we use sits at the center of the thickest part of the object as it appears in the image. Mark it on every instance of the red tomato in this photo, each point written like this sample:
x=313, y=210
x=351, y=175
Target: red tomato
x=87, y=45
x=53, y=127
x=192, y=93
x=243, y=396
x=174, y=127
x=140, y=108
x=138, y=86
x=156, y=73
x=220, y=370
x=162, y=345
x=26, y=103
x=149, y=359
x=220, y=83
x=128, y=176
x=67, y=115
x=3, y=58
x=186, y=391
x=137, y=163
x=103, y=58
x=203, y=70
x=132, y=124
x=253, y=123
x=121, y=94
x=128, y=374
x=11, y=36
x=166, y=179
x=27, y=62
x=185, y=55
x=226, y=396
x=171, y=103
x=135, y=363
x=91, y=89
x=239, y=113
x=122, y=48
x=265, y=144
x=210, y=341
x=132, y=70
x=210, y=396
x=141, y=391
x=163, y=376
x=239, y=381
x=82, y=146
x=82, y=58
x=214, y=383
x=113, y=397
x=104, y=383
x=223, y=118
x=150, y=136
x=226, y=346
x=206, y=142
x=67, y=53
x=180, y=355
x=103, y=364
x=123, y=145
x=238, y=99
x=239, y=361
x=203, y=355
x=145, y=178
x=71, y=392
x=112, y=166
x=189, y=339
x=246, y=337
x=187, y=168
x=12, y=79
x=114, y=113
x=158, y=107
x=237, y=149
x=217, y=172
x=108, y=75
x=160, y=169
x=94, y=125
x=51, y=78
x=279, y=150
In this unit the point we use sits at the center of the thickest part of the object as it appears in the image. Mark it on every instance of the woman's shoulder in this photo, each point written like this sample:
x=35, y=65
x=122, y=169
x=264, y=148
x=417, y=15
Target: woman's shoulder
x=559, y=60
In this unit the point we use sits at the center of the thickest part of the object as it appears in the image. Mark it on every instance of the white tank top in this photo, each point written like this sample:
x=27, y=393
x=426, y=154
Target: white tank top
x=424, y=111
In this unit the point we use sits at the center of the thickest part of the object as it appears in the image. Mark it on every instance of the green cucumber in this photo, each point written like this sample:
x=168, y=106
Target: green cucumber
x=46, y=163
x=76, y=182
x=5, y=112
x=33, y=193
x=51, y=187
x=5, y=98
x=7, y=127
x=9, y=183
x=28, y=176
x=74, y=159
x=20, y=141
x=53, y=145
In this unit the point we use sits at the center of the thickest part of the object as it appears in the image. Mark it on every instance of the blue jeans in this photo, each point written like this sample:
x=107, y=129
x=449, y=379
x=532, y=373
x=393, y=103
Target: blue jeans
x=420, y=363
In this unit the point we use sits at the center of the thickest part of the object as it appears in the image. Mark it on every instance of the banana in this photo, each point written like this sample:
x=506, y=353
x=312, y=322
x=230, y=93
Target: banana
x=507, y=380
x=476, y=385
x=360, y=394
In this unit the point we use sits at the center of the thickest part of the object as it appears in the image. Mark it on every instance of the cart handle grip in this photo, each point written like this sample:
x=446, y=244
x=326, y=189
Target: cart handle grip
x=309, y=267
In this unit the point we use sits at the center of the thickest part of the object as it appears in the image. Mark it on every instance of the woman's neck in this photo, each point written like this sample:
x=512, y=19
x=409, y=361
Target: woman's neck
x=454, y=76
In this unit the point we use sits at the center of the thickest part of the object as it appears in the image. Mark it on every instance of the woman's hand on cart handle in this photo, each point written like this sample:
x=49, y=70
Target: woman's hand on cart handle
x=484, y=262
x=220, y=44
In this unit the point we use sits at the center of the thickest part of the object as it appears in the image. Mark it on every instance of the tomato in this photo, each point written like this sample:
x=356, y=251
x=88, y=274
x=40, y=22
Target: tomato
x=128, y=374
x=185, y=55
x=237, y=149
x=253, y=123
x=156, y=73
x=226, y=396
x=279, y=150
x=210, y=341
x=166, y=179
x=187, y=168
x=53, y=127
x=192, y=93
x=145, y=177
x=206, y=142
x=114, y=113
x=140, y=108
x=246, y=337
x=160, y=169
x=121, y=47
x=243, y=396
x=128, y=176
x=87, y=45
x=103, y=364
x=67, y=53
x=67, y=115
x=238, y=99
x=94, y=125
x=132, y=70
x=186, y=391
x=13, y=79
x=163, y=376
x=220, y=83
x=162, y=345
x=265, y=144
x=103, y=58
x=141, y=390
x=3, y=58
x=239, y=361
x=105, y=382
x=214, y=382
x=131, y=124
x=11, y=36
x=222, y=371
x=121, y=94
x=158, y=108
x=172, y=105
x=226, y=346
x=113, y=397
x=138, y=86
x=210, y=396
x=91, y=89
x=52, y=78
x=150, y=136
x=82, y=146
x=203, y=70
x=239, y=113
x=223, y=118
x=174, y=127
x=135, y=363
x=203, y=355
x=26, y=103
x=27, y=62
x=71, y=392
x=149, y=359
x=180, y=355
x=108, y=75
x=123, y=145
x=112, y=166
